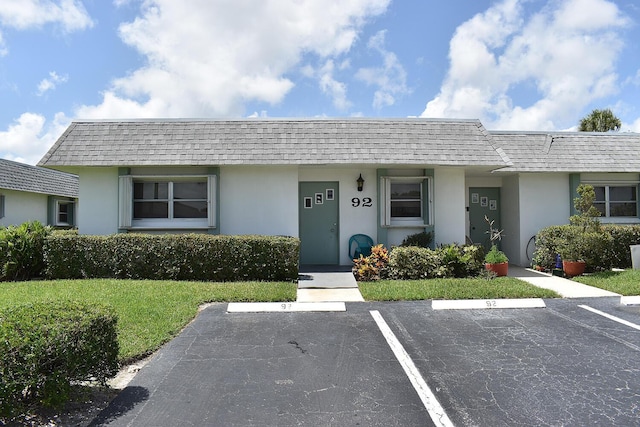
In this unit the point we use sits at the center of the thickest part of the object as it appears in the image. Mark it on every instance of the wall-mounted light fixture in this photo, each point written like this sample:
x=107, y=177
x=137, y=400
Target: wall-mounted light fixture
x=360, y=182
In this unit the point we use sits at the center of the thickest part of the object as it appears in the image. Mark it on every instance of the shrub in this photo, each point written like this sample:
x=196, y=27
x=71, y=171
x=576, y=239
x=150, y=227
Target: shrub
x=622, y=237
x=461, y=260
x=601, y=250
x=547, y=242
x=172, y=257
x=412, y=262
x=422, y=240
x=21, y=249
x=372, y=267
x=447, y=261
x=46, y=346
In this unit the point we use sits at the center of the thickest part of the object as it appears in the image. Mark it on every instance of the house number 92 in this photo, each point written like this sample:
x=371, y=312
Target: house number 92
x=365, y=202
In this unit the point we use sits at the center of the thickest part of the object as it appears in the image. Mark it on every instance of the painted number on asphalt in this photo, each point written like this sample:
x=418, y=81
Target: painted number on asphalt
x=286, y=307
x=491, y=303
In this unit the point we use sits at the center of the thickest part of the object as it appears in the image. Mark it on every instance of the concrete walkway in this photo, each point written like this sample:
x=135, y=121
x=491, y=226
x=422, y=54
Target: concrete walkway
x=565, y=287
x=327, y=285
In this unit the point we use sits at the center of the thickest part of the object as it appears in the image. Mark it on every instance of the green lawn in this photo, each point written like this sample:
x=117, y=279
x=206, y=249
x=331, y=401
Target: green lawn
x=150, y=313
x=625, y=282
x=476, y=288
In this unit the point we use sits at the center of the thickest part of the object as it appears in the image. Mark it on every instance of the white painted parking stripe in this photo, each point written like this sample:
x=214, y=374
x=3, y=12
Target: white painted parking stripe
x=436, y=411
x=487, y=303
x=609, y=316
x=282, y=307
x=630, y=300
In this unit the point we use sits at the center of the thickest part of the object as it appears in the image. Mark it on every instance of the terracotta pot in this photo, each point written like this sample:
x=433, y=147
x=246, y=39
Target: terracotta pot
x=500, y=269
x=573, y=268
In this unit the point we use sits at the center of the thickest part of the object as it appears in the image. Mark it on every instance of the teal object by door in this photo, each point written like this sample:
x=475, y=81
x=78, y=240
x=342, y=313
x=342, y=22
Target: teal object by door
x=318, y=223
x=483, y=201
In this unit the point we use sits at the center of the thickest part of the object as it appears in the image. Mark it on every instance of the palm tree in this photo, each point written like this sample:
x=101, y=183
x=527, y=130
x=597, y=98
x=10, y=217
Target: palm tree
x=600, y=121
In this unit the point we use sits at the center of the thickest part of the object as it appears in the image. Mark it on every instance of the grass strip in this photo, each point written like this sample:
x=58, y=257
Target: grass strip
x=473, y=288
x=150, y=313
x=625, y=282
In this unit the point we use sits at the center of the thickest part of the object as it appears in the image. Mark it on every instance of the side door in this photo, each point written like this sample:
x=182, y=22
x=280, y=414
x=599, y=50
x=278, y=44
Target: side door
x=318, y=223
x=483, y=201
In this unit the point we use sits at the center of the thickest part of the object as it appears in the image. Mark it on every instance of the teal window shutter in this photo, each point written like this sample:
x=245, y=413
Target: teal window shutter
x=51, y=210
x=71, y=214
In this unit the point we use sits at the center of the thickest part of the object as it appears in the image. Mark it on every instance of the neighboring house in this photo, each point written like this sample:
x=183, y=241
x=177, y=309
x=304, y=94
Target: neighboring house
x=299, y=178
x=538, y=189
x=30, y=193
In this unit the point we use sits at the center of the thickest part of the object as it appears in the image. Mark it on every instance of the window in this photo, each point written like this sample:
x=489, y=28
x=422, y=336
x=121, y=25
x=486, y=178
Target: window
x=616, y=201
x=406, y=200
x=1, y=206
x=63, y=213
x=167, y=202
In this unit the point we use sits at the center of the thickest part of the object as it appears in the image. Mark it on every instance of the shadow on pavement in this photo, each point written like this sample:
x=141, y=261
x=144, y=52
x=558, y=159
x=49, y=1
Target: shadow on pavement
x=124, y=402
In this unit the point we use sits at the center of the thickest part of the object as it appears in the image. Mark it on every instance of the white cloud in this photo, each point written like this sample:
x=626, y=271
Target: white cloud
x=50, y=82
x=633, y=127
x=28, y=139
x=337, y=90
x=3, y=47
x=210, y=57
x=70, y=15
x=391, y=78
x=565, y=53
x=23, y=14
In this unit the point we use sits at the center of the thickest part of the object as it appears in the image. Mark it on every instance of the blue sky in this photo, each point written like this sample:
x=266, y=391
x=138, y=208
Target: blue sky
x=514, y=64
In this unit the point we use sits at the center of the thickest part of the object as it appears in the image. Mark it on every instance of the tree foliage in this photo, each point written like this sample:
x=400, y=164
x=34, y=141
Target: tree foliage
x=600, y=121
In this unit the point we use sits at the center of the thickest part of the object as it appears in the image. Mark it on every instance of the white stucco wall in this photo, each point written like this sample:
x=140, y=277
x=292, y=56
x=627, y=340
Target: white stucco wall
x=544, y=200
x=449, y=206
x=98, y=201
x=259, y=200
x=20, y=206
x=353, y=220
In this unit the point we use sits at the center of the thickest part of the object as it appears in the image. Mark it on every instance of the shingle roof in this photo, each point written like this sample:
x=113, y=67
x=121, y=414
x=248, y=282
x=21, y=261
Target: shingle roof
x=275, y=142
x=21, y=177
x=570, y=151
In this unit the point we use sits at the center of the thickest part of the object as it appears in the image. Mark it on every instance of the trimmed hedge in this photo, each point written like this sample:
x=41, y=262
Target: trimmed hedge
x=602, y=249
x=44, y=347
x=172, y=257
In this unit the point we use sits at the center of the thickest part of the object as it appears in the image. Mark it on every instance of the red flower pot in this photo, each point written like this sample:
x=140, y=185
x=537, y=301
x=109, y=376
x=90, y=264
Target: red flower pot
x=500, y=269
x=573, y=268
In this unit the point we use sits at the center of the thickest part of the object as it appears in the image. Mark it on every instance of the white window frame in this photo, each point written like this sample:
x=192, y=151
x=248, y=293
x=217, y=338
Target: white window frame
x=125, y=211
x=607, y=216
x=386, y=220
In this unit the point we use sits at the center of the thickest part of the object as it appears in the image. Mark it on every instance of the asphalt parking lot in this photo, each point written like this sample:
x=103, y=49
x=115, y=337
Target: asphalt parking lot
x=566, y=364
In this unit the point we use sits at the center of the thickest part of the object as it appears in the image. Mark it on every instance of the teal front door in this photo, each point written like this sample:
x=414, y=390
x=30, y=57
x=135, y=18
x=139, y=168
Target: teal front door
x=318, y=223
x=483, y=201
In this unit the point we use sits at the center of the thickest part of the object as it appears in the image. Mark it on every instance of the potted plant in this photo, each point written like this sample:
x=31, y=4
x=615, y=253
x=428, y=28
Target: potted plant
x=573, y=263
x=572, y=248
x=495, y=260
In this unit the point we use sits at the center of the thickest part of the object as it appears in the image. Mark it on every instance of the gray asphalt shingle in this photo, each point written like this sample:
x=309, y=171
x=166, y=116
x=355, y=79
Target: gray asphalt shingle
x=275, y=142
x=20, y=177
x=570, y=151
